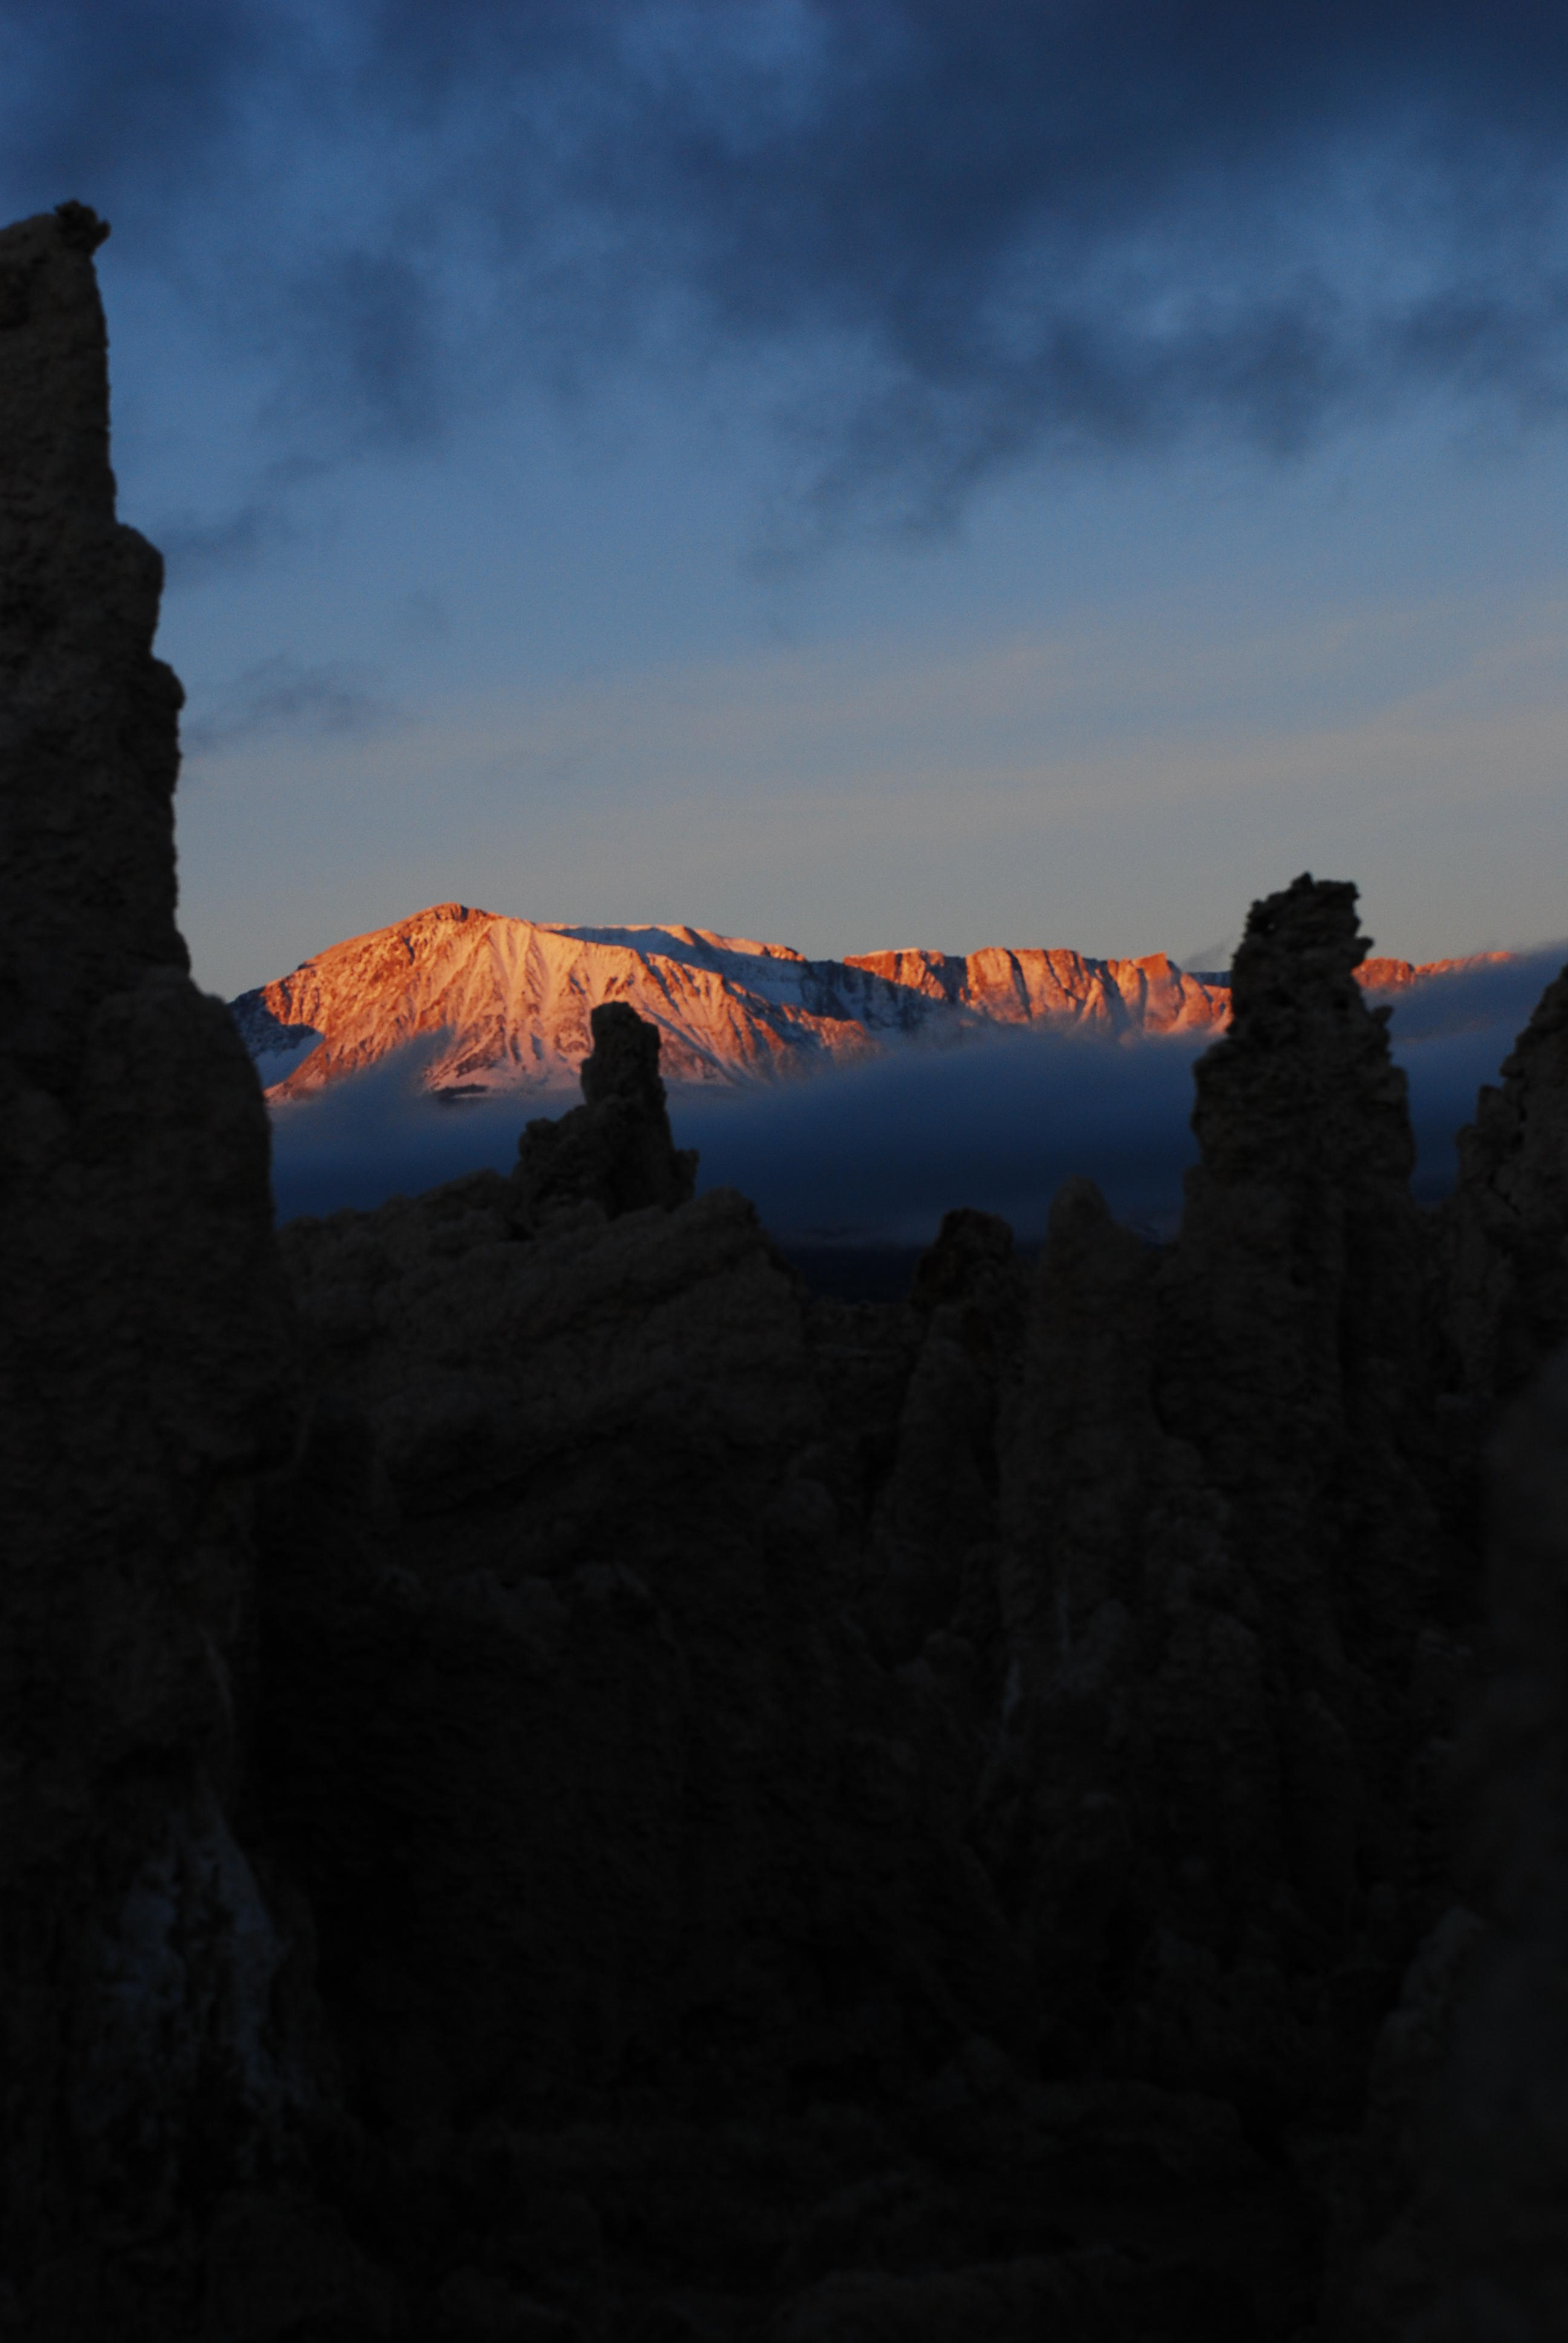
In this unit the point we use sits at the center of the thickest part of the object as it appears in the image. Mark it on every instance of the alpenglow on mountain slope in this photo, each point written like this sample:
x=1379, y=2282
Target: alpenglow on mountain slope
x=502, y=1004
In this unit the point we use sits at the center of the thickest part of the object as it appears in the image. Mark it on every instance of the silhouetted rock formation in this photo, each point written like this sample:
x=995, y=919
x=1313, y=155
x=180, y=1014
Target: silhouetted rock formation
x=1505, y=1230
x=1056, y=1668
x=933, y=1554
x=812, y=1820
x=614, y=1151
x=1221, y=1564
x=148, y=2054
x=1454, y=2219
x=1494, y=2167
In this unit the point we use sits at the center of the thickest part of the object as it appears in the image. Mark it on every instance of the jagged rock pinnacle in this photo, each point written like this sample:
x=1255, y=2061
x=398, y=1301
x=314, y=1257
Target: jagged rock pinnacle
x=614, y=1151
x=81, y=228
x=143, y=1355
x=1505, y=1228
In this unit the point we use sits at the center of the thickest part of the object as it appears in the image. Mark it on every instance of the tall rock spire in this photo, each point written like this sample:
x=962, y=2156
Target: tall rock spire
x=1223, y=1553
x=145, y=1364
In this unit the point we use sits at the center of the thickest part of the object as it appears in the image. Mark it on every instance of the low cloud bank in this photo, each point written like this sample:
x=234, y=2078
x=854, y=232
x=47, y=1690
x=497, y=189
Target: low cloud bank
x=1451, y=1035
x=875, y=1153
x=381, y=1134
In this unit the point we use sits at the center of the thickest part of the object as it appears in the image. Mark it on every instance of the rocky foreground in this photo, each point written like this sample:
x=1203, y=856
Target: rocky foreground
x=559, y=1786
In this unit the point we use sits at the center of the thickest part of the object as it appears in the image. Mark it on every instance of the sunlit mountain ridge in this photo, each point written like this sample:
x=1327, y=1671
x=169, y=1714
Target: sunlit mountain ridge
x=500, y=1004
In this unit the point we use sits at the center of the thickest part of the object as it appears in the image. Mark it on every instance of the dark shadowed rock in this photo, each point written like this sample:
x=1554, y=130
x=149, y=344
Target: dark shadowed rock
x=1220, y=1559
x=1468, y=2226
x=149, y=2054
x=812, y=1820
x=1505, y=1228
x=614, y=1151
x=557, y=1660
x=934, y=1526
x=971, y=1257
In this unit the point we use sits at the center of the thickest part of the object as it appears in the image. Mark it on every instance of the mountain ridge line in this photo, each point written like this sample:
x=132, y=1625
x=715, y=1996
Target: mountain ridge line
x=505, y=1001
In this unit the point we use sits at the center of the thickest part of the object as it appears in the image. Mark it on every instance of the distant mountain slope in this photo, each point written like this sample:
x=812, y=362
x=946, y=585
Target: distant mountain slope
x=509, y=1000
x=503, y=1004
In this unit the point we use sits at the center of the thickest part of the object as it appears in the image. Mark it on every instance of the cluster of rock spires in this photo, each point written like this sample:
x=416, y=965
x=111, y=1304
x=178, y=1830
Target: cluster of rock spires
x=559, y=1786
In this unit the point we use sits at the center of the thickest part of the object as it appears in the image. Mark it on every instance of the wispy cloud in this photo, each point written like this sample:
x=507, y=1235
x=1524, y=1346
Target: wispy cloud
x=285, y=695
x=196, y=550
x=963, y=237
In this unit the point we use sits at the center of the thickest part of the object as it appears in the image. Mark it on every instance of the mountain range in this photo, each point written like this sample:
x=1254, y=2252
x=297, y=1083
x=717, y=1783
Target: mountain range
x=503, y=1004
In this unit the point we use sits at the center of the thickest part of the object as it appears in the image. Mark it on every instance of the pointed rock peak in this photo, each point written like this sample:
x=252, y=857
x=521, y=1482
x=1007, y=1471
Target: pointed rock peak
x=147, y=1355
x=969, y=1249
x=81, y=228
x=1542, y=1050
x=1302, y=1087
x=90, y=716
x=1505, y=1227
x=1304, y=944
x=615, y=1151
x=624, y=1062
x=52, y=321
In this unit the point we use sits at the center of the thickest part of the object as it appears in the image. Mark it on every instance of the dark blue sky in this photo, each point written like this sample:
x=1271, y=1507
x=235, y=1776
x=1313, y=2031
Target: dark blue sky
x=863, y=473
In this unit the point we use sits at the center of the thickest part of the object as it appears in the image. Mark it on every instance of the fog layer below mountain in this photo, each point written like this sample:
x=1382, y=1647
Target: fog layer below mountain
x=875, y=1153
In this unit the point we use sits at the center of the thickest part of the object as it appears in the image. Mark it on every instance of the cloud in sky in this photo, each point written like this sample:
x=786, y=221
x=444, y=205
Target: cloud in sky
x=935, y=240
x=286, y=695
x=196, y=550
x=875, y=1153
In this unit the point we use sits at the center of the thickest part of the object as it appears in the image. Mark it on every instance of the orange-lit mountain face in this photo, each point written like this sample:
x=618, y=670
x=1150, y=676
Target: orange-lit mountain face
x=503, y=1004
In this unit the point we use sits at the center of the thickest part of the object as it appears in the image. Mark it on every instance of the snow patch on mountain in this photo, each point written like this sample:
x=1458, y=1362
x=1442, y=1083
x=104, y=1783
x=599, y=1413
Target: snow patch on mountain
x=501, y=1006
x=504, y=1003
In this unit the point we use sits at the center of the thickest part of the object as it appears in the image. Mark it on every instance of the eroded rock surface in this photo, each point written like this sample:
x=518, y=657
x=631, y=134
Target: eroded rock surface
x=149, y=2053
x=1505, y=1229
x=1222, y=1559
x=1494, y=2165
x=615, y=1151
x=560, y=1786
x=1019, y=1716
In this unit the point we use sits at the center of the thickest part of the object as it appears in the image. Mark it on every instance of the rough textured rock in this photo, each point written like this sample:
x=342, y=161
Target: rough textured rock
x=1505, y=1229
x=932, y=1534
x=773, y=1704
x=614, y=1151
x=1476, y=2248
x=1387, y=2262
x=809, y=1820
x=148, y=2055
x=1211, y=1800
x=687, y=1832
